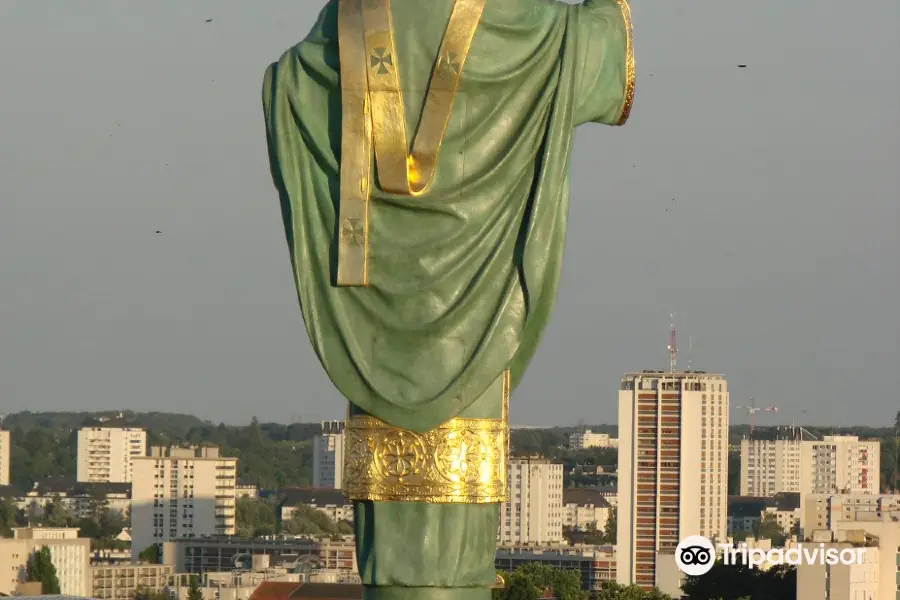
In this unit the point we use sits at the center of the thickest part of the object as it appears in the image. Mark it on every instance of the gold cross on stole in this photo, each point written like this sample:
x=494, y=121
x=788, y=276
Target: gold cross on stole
x=374, y=115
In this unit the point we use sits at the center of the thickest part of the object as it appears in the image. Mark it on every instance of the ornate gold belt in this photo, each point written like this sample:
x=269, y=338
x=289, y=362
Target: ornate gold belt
x=462, y=461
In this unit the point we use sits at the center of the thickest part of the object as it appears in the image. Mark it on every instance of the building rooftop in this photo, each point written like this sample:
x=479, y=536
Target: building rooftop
x=279, y=590
x=753, y=506
x=314, y=496
x=658, y=374
x=184, y=452
x=584, y=497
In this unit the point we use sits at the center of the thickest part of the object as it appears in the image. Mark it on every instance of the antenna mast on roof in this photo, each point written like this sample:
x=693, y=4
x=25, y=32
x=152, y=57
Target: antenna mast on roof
x=673, y=347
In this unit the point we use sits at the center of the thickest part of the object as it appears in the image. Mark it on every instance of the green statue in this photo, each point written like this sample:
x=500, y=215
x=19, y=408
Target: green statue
x=427, y=265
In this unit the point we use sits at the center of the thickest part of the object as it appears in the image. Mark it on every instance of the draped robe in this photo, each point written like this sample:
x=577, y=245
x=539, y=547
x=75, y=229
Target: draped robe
x=462, y=280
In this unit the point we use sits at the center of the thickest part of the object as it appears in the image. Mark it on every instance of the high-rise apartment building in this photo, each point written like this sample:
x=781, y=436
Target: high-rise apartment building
x=328, y=456
x=181, y=492
x=534, y=513
x=673, y=467
x=840, y=464
x=769, y=467
x=105, y=454
x=835, y=464
x=5, y=449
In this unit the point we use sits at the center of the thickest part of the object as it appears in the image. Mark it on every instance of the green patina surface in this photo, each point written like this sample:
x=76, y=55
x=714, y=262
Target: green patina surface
x=462, y=280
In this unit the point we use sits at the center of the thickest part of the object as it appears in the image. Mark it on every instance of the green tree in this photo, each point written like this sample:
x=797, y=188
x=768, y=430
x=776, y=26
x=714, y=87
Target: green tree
x=8, y=515
x=615, y=591
x=769, y=529
x=194, y=591
x=533, y=580
x=145, y=593
x=57, y=514
x=610, y=532
x=151, y=554
x=40, y=568
x=254, y=517
x=738, y=582
x=311, y=521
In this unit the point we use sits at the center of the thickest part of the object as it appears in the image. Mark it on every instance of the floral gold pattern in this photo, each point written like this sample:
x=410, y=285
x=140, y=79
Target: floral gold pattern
x=461, y=461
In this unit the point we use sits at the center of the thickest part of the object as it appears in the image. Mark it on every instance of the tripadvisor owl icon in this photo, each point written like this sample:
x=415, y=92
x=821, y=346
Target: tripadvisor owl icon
x=695, y=555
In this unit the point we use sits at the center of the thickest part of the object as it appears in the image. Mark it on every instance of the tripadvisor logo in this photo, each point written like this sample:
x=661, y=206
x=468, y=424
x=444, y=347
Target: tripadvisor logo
x=696, y=555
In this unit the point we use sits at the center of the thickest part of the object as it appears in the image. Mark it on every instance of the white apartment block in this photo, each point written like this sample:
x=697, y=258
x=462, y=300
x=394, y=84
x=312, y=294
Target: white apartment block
x=106, y=454
x=673, y=467
x=826, y=511
x=840, y=464
x=589, y=439
x=71, y=556
x=878, y=578
x=585, y=509
x=534, y=513
x=769, y=467
x=328, y=456
x=840, y=582
x=5, y=450
x=181, y=492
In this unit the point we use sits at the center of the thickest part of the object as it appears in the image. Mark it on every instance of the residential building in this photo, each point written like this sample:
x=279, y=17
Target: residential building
x=202, y=555
x=596, y=564
x=329, y=501
x=769, y=467
x=840, y=464
x=534, y=513
x=746, y=512
x=840, y=581
x=81, y=498
x=121, y=582
x=328, y=456
x=182, y=492
x=246, y=490
x=4, y=457
x=611, y=494
x=106, y=454
x=71, y=555
x=585, y=509
x=588, y=439
x=826, y=511
x=673, y=467
x=878, y=578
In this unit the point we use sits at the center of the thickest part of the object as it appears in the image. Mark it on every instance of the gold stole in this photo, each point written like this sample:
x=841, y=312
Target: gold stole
x=373, y=114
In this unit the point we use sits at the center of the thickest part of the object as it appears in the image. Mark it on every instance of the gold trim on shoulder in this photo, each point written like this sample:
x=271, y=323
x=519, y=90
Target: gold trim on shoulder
x=629, y=61
x=373, y=113
x=461, y=461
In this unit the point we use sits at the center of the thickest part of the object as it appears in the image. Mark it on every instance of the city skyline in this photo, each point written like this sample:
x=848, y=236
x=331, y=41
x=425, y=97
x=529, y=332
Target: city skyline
x=757, y=204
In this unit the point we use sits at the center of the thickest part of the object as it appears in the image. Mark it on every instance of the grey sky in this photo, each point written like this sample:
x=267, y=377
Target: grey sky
x=779, y=254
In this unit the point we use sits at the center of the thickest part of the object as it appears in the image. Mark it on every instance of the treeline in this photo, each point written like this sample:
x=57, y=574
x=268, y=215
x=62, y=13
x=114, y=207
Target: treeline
x=274, y=455
x=724, y=582
x=258, y=517
x=98, y=522
x=271, y=455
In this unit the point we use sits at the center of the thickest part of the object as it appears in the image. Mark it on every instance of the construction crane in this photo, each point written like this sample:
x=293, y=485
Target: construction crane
x=752, y=409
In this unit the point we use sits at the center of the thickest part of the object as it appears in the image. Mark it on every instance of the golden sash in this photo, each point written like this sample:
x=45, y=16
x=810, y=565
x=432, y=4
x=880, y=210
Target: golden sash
x=373, y=114
x=462, y=461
